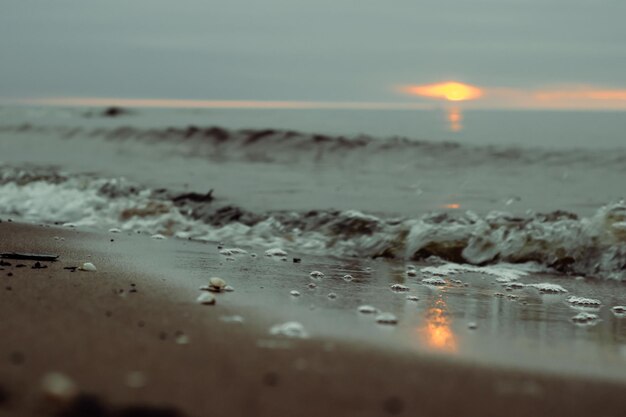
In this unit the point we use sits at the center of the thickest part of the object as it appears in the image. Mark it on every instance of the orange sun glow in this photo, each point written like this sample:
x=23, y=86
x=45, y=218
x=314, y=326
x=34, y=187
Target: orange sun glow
x=451, y=91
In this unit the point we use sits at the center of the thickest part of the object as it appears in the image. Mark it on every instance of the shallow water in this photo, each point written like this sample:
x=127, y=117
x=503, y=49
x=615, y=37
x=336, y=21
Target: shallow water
x=361, y=196
x=473, y=318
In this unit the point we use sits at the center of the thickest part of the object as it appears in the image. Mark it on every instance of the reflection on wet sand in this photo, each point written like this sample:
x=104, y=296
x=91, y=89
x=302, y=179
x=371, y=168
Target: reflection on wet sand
x=437, y=332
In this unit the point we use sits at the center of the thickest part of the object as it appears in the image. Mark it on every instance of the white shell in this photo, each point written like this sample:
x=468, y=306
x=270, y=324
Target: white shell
x=58, y=387
x=216, y=284
x=206, y=299
x=88, y=266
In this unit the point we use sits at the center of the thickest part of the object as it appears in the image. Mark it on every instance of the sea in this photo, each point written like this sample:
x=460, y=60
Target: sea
x=482, y=187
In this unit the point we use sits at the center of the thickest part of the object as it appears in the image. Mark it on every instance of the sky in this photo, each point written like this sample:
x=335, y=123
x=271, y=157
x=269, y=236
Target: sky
x=321, y=50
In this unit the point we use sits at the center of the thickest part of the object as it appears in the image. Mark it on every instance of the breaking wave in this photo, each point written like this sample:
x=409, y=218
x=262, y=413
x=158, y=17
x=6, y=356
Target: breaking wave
x=560, y=241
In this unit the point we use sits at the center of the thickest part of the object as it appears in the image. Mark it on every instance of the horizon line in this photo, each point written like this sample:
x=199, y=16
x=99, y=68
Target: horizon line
x=305, y=104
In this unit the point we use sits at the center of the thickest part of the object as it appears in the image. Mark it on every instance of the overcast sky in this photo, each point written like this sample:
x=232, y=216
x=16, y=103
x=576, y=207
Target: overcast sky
x=304, y=50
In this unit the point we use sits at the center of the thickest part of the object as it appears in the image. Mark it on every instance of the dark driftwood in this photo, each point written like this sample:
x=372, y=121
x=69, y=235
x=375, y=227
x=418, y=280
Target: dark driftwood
x=29, y=256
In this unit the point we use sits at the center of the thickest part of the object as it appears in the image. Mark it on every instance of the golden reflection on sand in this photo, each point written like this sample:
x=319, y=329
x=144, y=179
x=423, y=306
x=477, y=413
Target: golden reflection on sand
x=437, y=332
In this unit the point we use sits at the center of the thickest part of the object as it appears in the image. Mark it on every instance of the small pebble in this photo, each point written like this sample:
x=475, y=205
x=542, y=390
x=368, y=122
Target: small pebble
x=584, y=302
x=585, y=318
x=312, y=285
x=619, y=311
x=434, y=281
x=332, y=295
x=58, y=387
x=232, y=319
x=411, y=273
x=276, y=252
x=206, y=299
x=367, y=309
x=348, y=277
x=386, y=318
x=295, y=293
x=88, y=266
x=472, y=325
x=317, y=274
x=547, y=288
x=158, y=236
x=216, y=284
x=399, y=288
x=289, y=329
x=412, y=297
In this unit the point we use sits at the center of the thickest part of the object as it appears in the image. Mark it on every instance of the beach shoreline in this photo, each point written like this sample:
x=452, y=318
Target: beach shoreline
x=90, y=327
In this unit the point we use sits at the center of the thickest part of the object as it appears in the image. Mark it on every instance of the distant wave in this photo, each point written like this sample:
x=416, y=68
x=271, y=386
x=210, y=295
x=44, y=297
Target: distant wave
x=559, y=241
x=288, y=146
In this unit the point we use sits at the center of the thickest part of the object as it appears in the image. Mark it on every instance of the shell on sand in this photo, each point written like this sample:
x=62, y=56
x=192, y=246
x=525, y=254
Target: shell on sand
x=88, y=266
x=58, y=387
x=206, y=299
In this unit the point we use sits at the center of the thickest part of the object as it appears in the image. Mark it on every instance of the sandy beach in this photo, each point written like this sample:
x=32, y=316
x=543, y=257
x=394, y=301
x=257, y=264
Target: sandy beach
x=124, y=351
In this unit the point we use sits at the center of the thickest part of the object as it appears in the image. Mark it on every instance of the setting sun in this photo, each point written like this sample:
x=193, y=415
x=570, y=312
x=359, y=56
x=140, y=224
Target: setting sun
x=451, y=91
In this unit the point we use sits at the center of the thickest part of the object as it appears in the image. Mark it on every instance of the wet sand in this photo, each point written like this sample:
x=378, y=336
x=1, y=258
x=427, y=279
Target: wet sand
x=92, y=328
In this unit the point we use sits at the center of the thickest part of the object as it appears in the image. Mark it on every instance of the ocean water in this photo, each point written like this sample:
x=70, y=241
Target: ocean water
x=531, y=188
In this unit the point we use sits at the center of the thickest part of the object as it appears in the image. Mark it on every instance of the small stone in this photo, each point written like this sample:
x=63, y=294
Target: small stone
x=289, y=329
x=619, y=311
x=332, y=295
x=399, y=288
x=412, y=297
x=585, y=318
x=584, y=302
x=232, y=319
x=434, y=281
x=348, y=277
x=158, y=236
x=276, y=252
x=295, y=293
x=472, y=325
x=547, y=288
x=216, y=284
x=411, y=273
x=228, y=288
x=386, y=318
x=317, y=274
x=312, y=285
x=367, y=309
x=58, y=387
x=206, y=299
x=88, y=266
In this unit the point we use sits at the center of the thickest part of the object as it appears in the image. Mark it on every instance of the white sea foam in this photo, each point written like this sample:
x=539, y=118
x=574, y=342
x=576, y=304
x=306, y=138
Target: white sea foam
x=512, y=246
